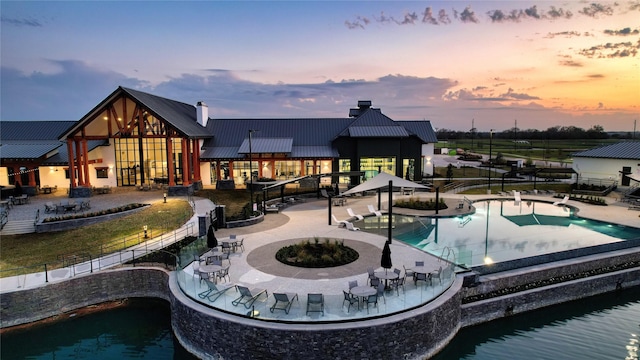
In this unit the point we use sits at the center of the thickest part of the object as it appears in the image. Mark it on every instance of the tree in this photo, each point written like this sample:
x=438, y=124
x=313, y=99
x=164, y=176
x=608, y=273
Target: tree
x=450, y=172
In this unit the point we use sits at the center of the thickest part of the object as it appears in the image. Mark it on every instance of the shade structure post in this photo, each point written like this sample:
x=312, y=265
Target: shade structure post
x=390, y=212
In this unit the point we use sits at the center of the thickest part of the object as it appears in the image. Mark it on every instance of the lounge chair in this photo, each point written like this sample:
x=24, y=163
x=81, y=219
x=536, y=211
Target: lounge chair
x=248, y=296
x=351, y=227
x=283, y=301
x=352, y=214
x=373, y=210
x=214, y=291
x=341, y=223
x=315, y=303
x=562, y=202
x=516, y=196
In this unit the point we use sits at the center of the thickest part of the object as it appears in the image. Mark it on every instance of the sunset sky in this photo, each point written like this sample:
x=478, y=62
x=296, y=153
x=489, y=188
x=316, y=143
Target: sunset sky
x=540, y=63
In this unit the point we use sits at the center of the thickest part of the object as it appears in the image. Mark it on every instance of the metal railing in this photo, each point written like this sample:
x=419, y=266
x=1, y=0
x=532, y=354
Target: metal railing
x=71, y=265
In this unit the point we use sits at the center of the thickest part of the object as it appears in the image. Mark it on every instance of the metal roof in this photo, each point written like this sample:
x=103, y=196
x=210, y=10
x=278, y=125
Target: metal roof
x=421, y=128
x=27, y=149
x=266, y=145
x=221, y=152
x=314, y=152
x=622, y=150
x=180, y=115
x=33, y=130
x=378, y=131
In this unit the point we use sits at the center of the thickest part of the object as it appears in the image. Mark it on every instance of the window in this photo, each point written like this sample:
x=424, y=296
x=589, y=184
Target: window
x=66, y=173
x=102, y=172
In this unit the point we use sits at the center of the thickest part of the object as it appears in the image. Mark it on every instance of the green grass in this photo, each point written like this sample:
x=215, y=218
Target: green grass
x=35, y=249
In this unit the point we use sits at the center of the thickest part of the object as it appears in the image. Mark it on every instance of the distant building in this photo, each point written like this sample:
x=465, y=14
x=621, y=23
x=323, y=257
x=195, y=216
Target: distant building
x=618, y=162
x=132, y=138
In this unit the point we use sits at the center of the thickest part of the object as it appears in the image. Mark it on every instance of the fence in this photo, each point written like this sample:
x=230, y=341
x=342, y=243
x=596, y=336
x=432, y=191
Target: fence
x=71, y=265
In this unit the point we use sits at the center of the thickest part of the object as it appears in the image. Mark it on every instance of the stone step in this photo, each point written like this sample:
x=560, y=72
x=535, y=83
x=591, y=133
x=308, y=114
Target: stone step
x=15, y=227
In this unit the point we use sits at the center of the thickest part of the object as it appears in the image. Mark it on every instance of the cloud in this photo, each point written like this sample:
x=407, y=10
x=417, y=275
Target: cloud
x=612, y=50
x=476, y=95
x=409, y=19
x=566, y=34
x=359, y=23
x=21, y=22
x=427, y=16
x=595, y=10
x=623, y=32
x=571, y=63
x=467, y=15
x=65, y=95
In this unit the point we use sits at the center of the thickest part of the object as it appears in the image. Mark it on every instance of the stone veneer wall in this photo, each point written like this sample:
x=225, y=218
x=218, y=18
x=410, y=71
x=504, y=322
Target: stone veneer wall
x=25, y=306
x=419, y=333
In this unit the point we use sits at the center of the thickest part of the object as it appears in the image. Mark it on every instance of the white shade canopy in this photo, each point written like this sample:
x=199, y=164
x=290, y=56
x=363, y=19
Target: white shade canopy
x=382, y=180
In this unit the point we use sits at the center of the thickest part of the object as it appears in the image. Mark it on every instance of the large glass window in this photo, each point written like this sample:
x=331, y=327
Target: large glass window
x=241, y=171
x=408, y=168
x=373, y=166
x=130, y=168
x=287, y=169
x=345, y=167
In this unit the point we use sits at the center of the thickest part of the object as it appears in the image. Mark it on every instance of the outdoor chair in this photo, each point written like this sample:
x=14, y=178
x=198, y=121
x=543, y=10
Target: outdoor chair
x=341, y=223
x=397, y=271
x=222, y=274
x=371, y=273
x=215, y=291
x=408, y=272
x=239, y=244
x=374, y=211
x=216, y=260
x=353, y=284
x=283, y=301
x=315, y=303
x=351, y=299
x=324, y=194
x=226, y=247
x=352, y=214
x=351, y=227
x=248, y=296
x=372, y=299
x=374, y=282
x=399, y=283
x=380, y=292
x=436, y=274
x=420, y=277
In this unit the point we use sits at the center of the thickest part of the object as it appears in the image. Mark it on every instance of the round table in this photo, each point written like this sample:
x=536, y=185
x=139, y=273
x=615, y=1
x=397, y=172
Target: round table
x=210, y=269
x=362, y=291
x=386, y=275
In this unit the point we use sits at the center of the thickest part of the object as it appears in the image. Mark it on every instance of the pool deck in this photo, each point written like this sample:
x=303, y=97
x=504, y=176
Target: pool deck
x=257, y=267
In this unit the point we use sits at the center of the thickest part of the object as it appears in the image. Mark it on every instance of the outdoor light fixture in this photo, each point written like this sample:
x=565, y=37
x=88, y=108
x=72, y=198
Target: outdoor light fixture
x=165, y=197
x=145, y=231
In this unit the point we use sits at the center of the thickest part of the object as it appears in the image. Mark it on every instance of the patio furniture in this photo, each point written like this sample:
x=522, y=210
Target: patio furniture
x=372, y=210
x=420, y=277
x=226, y=247
x=372, y=299
x=315, y=303
x=562, y=202
x=238, y=245
x=380, y=291
x=372, y=275
x=352, y=214
x=353, y=284
x=222, y=274
x=283, y=301
x=408, y=272
x=248, y=296
x=351, y=299
x=49, y=207
x=399, y=283
x=351, y=227
x=214, y=291
x=341, y=223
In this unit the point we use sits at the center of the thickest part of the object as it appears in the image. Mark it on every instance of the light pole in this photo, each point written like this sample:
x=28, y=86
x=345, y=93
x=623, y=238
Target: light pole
x=250, y=172
x=490, y=155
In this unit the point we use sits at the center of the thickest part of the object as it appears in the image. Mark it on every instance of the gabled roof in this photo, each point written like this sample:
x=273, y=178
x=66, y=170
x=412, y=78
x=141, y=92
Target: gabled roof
x=179, y=115
x=26, y=149
x=622, y=150
x=266, y=145
x=422, y=129
x=378, y=131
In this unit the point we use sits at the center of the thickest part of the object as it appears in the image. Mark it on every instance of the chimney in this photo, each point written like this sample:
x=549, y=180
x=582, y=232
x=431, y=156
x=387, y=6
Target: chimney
x=202, y=111
x=364, y=104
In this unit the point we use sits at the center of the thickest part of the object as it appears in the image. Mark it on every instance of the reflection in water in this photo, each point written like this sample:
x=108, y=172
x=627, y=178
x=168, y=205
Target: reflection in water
x=140, y=330
x=601, y=327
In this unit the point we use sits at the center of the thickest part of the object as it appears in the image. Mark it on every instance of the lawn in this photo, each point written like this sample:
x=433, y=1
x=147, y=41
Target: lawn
x=33, y=250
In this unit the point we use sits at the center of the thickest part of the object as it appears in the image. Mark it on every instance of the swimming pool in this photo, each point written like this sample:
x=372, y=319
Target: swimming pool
x=503, y=230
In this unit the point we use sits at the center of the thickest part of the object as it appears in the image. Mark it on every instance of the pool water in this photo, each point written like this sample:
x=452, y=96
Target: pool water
x=502, y=230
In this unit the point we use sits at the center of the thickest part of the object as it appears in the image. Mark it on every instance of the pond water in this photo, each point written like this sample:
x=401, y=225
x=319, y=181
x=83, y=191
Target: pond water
x=140, y=330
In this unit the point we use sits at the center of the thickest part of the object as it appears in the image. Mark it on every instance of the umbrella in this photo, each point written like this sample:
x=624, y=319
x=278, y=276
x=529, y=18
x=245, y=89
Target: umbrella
x=385, y=262
x=211, y=238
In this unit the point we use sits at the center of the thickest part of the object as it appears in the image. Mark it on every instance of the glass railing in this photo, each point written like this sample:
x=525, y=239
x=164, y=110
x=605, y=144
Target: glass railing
x=224, y=295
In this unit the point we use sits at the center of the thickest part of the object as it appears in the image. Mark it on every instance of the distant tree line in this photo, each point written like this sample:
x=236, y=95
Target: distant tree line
x=552, y=133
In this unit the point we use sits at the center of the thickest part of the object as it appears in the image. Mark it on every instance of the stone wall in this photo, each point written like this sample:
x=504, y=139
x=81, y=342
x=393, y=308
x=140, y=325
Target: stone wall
x=25, y=306
x=419, y=333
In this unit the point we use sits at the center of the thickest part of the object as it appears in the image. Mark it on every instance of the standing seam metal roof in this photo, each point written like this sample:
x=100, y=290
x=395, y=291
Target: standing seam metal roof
x=622, y=150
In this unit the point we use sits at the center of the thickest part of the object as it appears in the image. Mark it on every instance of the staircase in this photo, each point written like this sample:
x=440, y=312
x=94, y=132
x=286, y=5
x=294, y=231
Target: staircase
x=15, y=227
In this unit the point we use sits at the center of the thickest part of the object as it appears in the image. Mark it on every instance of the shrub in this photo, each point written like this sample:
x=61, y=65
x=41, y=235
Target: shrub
x=95, y=213
x=317, y=254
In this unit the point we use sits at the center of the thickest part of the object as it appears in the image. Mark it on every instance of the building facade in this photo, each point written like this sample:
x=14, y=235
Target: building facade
x=133, y=138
